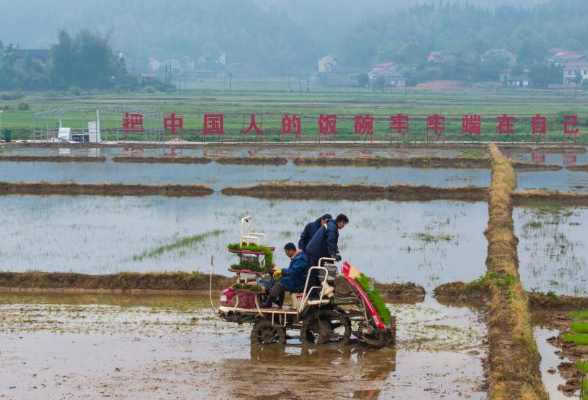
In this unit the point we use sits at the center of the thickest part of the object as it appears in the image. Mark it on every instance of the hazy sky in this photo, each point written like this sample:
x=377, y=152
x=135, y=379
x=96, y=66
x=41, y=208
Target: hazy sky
x=33, y=23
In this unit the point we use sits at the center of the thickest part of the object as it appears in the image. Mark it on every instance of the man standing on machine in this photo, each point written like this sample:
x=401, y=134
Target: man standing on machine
x=325, y=243
x=311, y=229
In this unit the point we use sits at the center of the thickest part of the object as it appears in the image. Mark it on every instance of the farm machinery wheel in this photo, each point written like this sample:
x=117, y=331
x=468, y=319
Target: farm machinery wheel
x=265, y=333
x=326, y=326
x=377, y=338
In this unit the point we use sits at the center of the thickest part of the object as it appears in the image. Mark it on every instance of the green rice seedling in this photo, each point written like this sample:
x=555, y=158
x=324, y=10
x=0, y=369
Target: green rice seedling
x=269, y=255
x=580, y=314
x=178, y=244
x=580, y=339
x=580, y=327
x=374, y=295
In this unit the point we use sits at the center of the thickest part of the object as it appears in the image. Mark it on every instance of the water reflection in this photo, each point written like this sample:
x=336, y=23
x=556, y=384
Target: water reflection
x=325, y=367
x=220, y=176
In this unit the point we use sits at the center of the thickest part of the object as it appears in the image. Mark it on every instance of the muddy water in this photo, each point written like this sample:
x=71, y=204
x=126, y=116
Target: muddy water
x=549, y=363
x=426, y=243
x=70, y=351
x=553, y=249
x=220, y=176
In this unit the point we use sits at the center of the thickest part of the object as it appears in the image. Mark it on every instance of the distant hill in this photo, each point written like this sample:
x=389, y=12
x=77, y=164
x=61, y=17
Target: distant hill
x=290, y=35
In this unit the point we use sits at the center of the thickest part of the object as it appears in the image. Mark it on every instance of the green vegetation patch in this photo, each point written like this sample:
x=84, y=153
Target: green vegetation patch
x=178, y=244
x=377, y=300
x=250, y=265
x=504, y=282
x=428, y=238
x=580, y=339
x=580, y=314
x=580, y=327
x=269, y=255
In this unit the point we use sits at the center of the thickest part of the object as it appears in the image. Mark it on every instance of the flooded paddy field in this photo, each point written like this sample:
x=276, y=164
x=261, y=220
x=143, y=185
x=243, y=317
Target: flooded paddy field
x=249, y=150
x=425, y=243
x=563, y=159
x=563, y=181
x=219, y=176
x=56, y=347
x=553, y=249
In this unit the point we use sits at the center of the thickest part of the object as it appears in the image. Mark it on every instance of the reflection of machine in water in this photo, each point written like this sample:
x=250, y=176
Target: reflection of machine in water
x=353, y=371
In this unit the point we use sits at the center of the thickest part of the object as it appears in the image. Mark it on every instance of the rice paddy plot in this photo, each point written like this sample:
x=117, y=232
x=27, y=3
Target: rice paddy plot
x=425, y=243
x=561, y=159
x=563, y=181
x=243, y=150
x=218, y=176
x=553, y=249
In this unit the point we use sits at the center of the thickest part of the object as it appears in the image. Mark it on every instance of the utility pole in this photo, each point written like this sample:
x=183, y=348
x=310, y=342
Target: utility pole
x=308, y=82
x=230, y=81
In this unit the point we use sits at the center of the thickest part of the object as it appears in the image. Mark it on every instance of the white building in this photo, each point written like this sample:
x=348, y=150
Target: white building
x=327, y=64
x=573, y=69
x=387, y=72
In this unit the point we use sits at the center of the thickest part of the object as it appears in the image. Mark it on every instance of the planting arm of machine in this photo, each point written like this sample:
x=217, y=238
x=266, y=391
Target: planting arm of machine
x=383, y=335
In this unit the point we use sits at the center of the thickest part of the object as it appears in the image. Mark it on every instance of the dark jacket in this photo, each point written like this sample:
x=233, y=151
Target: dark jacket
x=308, y=233
x=294, y=277
x=324, y=242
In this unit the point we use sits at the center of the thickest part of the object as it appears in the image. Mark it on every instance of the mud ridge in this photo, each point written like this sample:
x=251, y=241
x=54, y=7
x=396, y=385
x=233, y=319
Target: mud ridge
x=295, y=191
x=255, y=161
x=83, y=189
x=162, y=160
x=405, y=293
x=513, y=358
x=578, y=168
x=561, y=149
x=157, y=283
x=525, y=167
x=540, y=197
x=382, y=162
x=461, y=292
x=123, y=281
x=54, y=159
x=479, y=291
x=547, y=302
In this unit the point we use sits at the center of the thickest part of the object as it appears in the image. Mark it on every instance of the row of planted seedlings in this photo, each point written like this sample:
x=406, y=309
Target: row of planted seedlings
x=514, y=360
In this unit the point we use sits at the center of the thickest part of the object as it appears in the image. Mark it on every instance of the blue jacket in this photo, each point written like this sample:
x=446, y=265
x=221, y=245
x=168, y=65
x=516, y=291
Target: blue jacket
x=308, y=233
x=294, y=277
x=324, y=242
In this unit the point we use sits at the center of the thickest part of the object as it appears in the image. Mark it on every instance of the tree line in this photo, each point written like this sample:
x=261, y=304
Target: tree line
x=86, y=61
